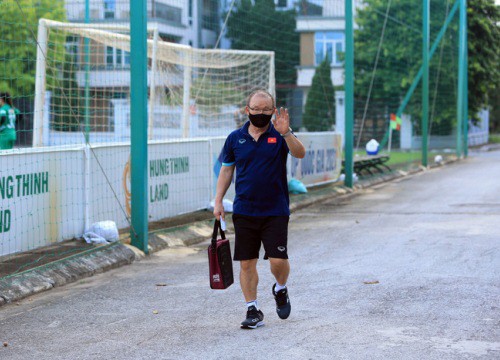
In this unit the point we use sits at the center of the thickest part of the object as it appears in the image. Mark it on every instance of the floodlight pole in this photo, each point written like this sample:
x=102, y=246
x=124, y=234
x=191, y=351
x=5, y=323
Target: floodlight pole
x=462, y=121
x=139, y=123
x=87, y=71
x=425, y=79
x=349, y=93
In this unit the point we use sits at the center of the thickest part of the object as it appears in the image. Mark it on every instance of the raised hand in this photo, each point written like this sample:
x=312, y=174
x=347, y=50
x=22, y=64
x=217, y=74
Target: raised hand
x=282, y=120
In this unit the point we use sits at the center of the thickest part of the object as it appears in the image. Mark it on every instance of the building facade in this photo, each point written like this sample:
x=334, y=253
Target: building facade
x=321, y=25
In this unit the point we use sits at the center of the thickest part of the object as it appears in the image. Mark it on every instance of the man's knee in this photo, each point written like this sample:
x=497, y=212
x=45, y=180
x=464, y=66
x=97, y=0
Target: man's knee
x=248, y=265
x=277, y=262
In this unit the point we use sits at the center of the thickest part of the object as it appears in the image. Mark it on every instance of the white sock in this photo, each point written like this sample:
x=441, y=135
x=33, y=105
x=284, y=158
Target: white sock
x=253, y=303
x=279, y=287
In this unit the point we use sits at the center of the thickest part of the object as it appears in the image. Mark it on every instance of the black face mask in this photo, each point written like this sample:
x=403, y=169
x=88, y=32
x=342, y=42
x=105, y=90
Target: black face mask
x=260, y=120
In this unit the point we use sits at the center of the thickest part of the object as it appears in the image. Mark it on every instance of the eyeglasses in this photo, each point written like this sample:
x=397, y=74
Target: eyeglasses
x=260, y=111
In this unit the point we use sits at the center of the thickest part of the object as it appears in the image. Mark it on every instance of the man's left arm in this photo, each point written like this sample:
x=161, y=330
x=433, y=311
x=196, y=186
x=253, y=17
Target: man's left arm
x=282, y=125
x=295, y=146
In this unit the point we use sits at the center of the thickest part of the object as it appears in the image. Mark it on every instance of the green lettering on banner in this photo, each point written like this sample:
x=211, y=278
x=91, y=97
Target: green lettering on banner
x=18, y=178
x=158, y=192
x=26, y=184
x=6, y=187
x=38, y=184
x=163, y=167
x=45, y=182
x=5, y=218
x=179, y=165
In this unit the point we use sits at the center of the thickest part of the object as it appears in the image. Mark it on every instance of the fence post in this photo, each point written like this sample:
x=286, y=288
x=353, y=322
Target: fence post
x=87, y=76
x=462, y=121
x=425, y=79
x=349, y=93
x=139, y=124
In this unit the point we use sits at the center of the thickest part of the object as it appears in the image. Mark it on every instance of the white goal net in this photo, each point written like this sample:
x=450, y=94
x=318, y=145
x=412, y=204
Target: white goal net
x=83, y=85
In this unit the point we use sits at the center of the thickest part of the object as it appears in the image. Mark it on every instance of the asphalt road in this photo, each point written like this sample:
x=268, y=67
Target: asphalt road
x=407, y=270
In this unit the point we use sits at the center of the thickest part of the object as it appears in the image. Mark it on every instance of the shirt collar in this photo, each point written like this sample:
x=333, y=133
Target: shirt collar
x=244, y=128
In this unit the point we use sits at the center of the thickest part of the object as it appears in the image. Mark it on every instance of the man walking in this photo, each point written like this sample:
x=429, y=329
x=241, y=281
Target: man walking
x=261, y=210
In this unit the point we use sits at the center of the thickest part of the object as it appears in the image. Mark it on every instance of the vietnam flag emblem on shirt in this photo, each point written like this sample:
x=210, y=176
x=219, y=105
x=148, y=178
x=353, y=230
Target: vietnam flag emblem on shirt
x=271, y=140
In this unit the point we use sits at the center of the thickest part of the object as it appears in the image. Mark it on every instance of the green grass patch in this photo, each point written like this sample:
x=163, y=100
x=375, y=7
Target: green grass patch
x=403, y=157
x=494, y=139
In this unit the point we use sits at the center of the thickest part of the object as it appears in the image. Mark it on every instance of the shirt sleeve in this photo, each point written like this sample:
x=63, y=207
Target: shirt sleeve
x=227, y=155
x=3, y=117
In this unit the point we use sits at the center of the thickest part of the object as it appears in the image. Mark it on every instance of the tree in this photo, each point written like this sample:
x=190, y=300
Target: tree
x=18, y=48
x=400, y=58
x=319, y=112
x=67, y=99
x=259, y=26
x=483, y=18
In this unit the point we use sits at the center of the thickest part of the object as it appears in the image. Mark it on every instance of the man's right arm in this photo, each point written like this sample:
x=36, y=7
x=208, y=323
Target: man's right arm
x=223, y=183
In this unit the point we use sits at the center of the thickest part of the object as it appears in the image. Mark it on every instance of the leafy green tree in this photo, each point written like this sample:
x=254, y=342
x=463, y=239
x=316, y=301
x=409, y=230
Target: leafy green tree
x=259, y=26
x=67, y=99
x=319, y=112
x=18, y=30
x=483, y=18
x=400, y=58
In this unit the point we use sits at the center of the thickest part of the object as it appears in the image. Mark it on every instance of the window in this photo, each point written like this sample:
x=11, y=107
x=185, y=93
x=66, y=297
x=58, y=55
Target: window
x=168, y=13
x=329, y=44
x=211, y=17
x=72, y=48
x=117, y=58
x=282, y=4
x=109, y=9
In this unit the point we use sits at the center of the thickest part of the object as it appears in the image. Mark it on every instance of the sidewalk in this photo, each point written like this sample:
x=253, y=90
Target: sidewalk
x=180, y=231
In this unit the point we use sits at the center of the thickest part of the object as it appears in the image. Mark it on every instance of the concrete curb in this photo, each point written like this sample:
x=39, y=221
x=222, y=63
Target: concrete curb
x=104, y=258
x=98, y=260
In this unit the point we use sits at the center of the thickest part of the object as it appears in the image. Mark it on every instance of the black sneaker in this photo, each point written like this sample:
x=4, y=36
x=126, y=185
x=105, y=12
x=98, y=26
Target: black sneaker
x=255, y=318
x=283, y=306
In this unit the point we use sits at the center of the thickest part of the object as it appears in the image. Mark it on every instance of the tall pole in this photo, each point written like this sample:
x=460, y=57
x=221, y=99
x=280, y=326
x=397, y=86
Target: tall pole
x=87, y=72
x=461, y=73
x=40, y=81
x=425, y=79
x=349, y=93
x=139, y=123
x=152, y=83
x=462, y=106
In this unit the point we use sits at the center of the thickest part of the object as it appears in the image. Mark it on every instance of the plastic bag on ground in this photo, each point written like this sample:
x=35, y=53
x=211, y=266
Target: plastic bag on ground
x=296, y=187
x=101, y=232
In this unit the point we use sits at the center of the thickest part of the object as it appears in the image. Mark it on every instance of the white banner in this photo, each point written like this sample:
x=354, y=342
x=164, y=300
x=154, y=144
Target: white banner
x=323, y=160
x=41, y=198
x=178, y=180
x=53, y=194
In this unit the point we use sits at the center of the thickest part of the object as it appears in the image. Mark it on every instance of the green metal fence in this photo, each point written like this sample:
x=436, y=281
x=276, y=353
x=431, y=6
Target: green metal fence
x=86, y=76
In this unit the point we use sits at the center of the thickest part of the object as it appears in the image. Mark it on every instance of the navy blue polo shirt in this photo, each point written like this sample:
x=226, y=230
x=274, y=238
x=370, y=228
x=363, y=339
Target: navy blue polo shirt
x=261, y=182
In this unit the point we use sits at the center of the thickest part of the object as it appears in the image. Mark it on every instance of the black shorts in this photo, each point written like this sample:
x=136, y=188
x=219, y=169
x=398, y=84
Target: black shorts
x=251, y=231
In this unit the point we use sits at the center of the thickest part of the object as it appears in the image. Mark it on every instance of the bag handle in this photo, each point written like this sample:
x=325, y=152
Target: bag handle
x=217, y=228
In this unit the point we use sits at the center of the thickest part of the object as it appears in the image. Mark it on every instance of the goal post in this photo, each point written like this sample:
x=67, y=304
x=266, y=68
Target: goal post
x=192, y=92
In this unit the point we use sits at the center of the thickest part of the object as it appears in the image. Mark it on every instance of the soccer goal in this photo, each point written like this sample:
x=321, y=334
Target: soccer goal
x=83, y=85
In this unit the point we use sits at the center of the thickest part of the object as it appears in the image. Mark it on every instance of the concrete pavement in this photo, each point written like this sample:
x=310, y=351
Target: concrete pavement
x=407, y=270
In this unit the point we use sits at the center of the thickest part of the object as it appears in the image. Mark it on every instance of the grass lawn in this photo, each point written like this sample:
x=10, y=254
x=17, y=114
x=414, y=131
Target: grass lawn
x=494, y=139
x=401, y=157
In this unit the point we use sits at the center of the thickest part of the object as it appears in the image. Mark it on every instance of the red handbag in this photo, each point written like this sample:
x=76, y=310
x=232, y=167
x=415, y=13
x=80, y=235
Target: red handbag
x=220, y=262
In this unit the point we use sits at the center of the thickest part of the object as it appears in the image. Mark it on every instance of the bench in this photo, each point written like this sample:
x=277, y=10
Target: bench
x=367, y=163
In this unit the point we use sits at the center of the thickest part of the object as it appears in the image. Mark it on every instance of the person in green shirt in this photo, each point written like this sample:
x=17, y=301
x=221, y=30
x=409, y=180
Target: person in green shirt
x=8, y=114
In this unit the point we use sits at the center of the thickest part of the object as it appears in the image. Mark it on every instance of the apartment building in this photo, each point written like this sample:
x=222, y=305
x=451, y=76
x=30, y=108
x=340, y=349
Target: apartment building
x=321, y=25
